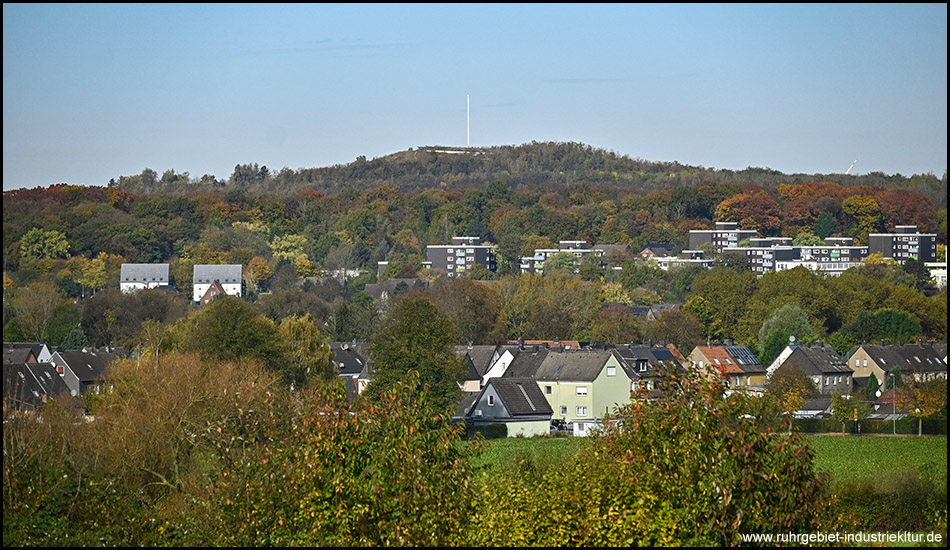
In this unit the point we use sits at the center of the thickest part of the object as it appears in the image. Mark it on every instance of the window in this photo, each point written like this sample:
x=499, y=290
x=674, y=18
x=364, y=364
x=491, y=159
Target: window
x=547, y=390
x=563, y=410
x=611, y=371
x=581, y=411
x=491, y=400
x=582, y=390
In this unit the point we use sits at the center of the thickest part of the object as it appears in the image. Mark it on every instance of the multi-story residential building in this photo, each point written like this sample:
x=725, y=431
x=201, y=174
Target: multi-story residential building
x=579, y=249
x=226, y=278
x=906, y=242
x=139, y=276
x=725, y=235
x=462, y=255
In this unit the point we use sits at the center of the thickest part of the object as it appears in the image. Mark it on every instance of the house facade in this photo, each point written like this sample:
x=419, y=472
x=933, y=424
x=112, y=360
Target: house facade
x=515, y=402
x=822, y=365
x=228, y=276
x=736, y=364
x=461, y=256
x=921, y=362
x=645, y=365
x=141, y=276
x=583, y=384
x=904, y=243
x=82, y=371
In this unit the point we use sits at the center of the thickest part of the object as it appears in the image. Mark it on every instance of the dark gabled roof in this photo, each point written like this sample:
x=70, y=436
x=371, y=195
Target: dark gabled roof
x=87, y=366
x=910, y=358
x=581, y=366
x=481, y=356
x=820, y=403
x=818, y=359
x=143, y=273
x=465, y=403
x=32, y=383
x=520, y=396
x=16, y=356
x=526, y=361
x=347, y=358
x=631, y=356
x=35, y=347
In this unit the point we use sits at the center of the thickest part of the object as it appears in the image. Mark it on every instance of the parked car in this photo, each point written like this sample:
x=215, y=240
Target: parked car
x=558, y=425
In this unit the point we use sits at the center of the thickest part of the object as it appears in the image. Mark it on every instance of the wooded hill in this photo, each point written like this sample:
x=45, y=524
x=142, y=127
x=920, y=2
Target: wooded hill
x=535, y=163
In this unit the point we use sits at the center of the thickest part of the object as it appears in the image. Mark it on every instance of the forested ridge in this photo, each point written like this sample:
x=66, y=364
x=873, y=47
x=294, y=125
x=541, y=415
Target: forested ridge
x=536, y=163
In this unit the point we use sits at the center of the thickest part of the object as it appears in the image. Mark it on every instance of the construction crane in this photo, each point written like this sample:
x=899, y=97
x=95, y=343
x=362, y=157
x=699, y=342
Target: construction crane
x=850, y=167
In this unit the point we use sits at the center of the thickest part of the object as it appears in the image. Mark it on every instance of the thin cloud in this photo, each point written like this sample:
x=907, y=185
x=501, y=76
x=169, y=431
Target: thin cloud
x=328, y=46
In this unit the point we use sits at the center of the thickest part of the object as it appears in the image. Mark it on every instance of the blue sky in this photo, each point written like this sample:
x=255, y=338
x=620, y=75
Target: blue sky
x=93, y=92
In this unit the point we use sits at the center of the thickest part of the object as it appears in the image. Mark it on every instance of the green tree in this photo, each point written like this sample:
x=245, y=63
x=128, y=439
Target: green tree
x=773, y=345
x=42, y=244
x=825, y=225
x=925, y=399
x=791, y=320
x=808, y=239
x=896, y=326
x=230, y=329
x=789, y=386
x=306, y=351
x=563, y=262
x=417, y=337
x=845, y=408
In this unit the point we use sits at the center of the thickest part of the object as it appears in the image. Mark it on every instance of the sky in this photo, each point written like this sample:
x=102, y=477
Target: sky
x=98, y=91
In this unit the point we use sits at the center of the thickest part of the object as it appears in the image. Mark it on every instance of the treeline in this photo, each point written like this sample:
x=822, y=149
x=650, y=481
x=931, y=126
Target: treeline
x=538, y=163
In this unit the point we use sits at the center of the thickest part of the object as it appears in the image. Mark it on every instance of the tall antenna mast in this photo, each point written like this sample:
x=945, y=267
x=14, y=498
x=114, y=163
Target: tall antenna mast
x=468, y=121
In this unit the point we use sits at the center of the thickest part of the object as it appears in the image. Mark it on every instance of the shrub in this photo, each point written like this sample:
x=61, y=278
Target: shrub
x=691, y=468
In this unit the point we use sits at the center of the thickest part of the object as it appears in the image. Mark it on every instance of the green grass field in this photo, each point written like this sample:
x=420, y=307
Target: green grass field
x=849, y=458
x=844, y=458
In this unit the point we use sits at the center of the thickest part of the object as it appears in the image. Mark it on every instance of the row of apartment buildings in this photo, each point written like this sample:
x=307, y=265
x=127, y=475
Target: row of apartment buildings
x=764, y=253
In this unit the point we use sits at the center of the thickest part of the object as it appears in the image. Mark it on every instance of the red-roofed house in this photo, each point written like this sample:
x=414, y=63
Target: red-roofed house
x=736, y=364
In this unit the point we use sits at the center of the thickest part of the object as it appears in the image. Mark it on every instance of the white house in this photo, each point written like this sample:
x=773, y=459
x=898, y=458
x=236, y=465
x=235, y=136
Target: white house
x=139, y=276
x=228, y=276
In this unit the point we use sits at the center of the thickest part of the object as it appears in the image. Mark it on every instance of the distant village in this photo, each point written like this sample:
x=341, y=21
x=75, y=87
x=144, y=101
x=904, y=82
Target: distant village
x=535, y=387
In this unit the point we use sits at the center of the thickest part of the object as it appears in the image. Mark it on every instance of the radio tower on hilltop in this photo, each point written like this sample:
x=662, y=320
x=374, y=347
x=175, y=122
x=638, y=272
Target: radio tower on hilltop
x=468, y=121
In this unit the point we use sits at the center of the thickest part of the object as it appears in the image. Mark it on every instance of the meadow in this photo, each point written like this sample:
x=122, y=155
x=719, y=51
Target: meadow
x=843, y=458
